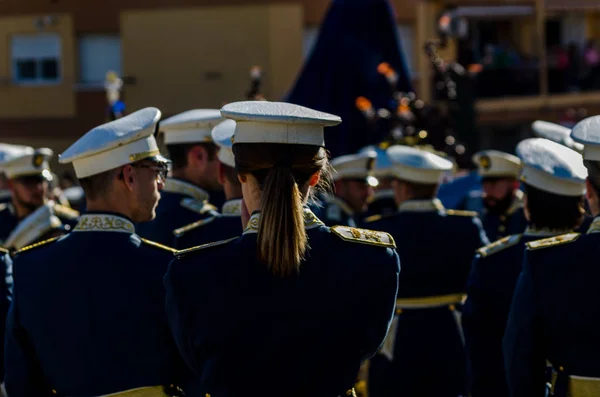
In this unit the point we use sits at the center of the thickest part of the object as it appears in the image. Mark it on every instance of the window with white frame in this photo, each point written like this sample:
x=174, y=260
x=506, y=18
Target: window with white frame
x=36, y=58
x=98, y=54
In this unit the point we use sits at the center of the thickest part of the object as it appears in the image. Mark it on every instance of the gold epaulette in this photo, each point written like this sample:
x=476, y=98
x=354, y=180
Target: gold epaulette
x=201, y=207
x=461, y=213
x=36, y=245
x=364, y=236
x=66, y=211
x=499, y=245
x=182, y=230
x=373, y=218
x=553, y=241
x=203, y=246
x=157, y=245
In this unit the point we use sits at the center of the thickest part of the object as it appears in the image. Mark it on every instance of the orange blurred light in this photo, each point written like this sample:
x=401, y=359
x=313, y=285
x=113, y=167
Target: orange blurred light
x=384, y=68
x=363, y=103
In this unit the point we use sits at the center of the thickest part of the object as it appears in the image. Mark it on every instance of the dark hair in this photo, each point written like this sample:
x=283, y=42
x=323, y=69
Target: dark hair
x=553, y=211
x=96, y=186
x=593, y=168
x=178, y=152
x=281, y=170
x=421, y=191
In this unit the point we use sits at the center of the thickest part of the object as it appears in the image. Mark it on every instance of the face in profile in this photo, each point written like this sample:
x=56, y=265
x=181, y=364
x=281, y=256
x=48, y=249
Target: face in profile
x=356, y=193
x=498, y=193
x=30, y=191
x=150, y=177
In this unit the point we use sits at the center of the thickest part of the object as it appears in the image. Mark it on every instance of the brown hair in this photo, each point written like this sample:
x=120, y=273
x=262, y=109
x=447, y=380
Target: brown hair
x=178, y=152
x=281, y=171
x=553, y=211
x=421, y=191
x=96, y=186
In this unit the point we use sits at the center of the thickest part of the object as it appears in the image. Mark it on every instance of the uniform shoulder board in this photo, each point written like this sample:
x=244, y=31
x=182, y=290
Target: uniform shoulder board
x=553, y=241
x=157, y=245
x=4, y=251
x=36, y=245
x=182, y=230
x=364, y=236
x=461, y=213
x=66, y=211
x=204, y=246
x=499, y=245
x=198, y=206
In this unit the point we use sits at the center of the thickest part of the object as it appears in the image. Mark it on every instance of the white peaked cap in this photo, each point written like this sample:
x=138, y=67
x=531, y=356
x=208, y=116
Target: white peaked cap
x=9, y=151
x=587, y=133
x=278, y=122
x=28, y=162
x=33, y=227
x=552, y=167
x=222, y=135
x=417, y=165
x=556, y=133
x=111, y=145
x=493, y=163
x=193, y=126
x=354, y=166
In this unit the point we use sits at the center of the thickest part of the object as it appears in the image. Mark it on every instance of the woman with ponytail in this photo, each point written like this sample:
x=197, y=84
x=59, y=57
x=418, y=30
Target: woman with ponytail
x=291, y=308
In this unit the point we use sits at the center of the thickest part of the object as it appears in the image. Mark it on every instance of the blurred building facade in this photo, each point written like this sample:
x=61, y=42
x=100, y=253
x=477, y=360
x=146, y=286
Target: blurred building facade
x=183, y=54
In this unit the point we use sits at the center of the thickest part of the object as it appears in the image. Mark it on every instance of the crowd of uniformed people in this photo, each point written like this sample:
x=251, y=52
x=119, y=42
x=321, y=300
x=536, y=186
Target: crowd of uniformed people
x=244, y=262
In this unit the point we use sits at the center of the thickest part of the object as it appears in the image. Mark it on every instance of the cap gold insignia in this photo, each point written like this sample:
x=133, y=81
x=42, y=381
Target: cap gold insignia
x=38, y=160
x=485, y=162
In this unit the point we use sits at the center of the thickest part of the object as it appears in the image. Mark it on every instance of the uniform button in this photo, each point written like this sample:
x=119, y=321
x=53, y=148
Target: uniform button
x=54, y=391
x=501, y=229
x=452, y=308
x=502, y=217
x=398, y=311
x=207, y=395
x=561, y=368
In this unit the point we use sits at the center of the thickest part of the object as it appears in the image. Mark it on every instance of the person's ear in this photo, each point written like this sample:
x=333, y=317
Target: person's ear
x=314, y=179
x=129, y=176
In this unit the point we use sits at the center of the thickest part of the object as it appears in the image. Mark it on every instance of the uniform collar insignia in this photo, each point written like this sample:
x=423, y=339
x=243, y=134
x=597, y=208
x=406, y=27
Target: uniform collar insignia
x=173, y=185
x=532, y=232
x=421, y=206
x=334, y=200
x=232, y=208
x=595, y=226
x=97, y=222
x=310, y=221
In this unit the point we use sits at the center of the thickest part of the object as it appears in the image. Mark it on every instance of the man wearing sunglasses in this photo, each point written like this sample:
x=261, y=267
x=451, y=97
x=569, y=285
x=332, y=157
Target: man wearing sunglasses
x=193, y=192
x=28, y=174
x=104, y=330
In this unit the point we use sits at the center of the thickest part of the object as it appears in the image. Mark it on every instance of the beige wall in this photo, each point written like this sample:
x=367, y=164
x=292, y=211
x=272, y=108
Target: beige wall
x=37, y=101
x=205, y=59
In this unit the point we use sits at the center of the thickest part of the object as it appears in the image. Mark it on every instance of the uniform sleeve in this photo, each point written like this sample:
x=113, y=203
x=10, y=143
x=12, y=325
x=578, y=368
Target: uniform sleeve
x=178, y=315
x=5, y=300
x=483, y=329
x=23, y=375
x=384, y=304
x=481, y=237
x=523, y=344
